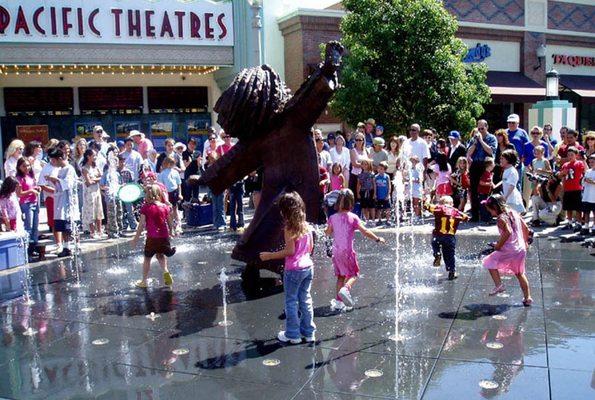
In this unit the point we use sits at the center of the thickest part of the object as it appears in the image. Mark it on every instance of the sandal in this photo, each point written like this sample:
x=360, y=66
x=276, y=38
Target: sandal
x=498, y=289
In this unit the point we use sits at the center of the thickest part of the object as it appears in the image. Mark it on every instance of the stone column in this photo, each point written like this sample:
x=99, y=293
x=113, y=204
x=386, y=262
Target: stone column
x=256, y=33
x=145, y=100
x=76, y=108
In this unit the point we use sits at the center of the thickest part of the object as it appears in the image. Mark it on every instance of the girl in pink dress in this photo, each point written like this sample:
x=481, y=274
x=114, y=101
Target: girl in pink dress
x=337, y=178
x=511, y=250
x=342, y=227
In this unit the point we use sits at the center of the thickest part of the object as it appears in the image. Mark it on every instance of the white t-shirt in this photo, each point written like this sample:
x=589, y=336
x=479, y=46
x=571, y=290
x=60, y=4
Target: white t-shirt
x=47, y=170
x=419, y=148
x=510, y=177
x=589, y=188
x=343, y=159
x=325, y=160
x=10, y=167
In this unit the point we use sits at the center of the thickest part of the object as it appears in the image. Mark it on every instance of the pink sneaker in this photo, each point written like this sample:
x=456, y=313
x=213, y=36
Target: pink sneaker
x=498, y=289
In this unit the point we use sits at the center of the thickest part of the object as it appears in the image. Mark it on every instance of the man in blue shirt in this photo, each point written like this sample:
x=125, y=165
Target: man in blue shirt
x=482, y=145
x=517, y=136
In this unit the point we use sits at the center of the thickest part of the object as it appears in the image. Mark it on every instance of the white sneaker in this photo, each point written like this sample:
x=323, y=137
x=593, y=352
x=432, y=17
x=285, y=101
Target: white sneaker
x=337, y=305
x=310, y=339
x=346, y=296
x=58, y=249
x=282, y=338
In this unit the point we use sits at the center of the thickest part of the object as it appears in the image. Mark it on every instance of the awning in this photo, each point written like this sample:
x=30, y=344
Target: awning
x=582, y=85
x=514, y=87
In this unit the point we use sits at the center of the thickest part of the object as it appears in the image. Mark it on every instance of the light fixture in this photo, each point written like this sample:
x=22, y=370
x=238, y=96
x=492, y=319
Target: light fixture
x=552, y=79
x=540, y=52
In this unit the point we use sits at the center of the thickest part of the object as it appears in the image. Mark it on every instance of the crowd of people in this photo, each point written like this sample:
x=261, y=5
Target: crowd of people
x=80, y=185
x=535, y=173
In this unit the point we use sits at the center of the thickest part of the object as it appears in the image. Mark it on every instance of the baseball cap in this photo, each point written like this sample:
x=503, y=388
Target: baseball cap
x=454, y=135
x=134, y=132
x=361, y=125
x=98, y=129
x=330, y=136
x=380, y=127
x=513, y=118
x=378, y=141
x=120, y=143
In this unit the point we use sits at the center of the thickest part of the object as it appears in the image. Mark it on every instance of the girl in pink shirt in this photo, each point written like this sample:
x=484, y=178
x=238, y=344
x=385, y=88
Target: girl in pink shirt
x=342, y=227
x=297, y=278
x=9, y=205
x=155, y=216
x=337, y=178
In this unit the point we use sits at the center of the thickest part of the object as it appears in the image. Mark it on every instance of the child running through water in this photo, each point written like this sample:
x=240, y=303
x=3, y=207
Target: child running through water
x=157, y=218
x=342, y=227
x=444, y=242
x=511, y=249
x=298, y=275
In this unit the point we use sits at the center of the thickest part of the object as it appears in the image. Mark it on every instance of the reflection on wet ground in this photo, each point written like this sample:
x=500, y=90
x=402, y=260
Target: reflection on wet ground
x=100, y=337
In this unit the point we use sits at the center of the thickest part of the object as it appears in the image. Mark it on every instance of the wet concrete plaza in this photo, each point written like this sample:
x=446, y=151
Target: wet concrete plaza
x=93, y=335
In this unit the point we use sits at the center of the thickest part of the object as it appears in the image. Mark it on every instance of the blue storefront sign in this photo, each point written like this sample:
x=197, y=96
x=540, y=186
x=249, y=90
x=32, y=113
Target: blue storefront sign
x=478, y=53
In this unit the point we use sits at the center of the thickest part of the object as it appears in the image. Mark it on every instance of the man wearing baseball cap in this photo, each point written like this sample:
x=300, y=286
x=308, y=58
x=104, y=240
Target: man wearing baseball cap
x=457, y=149
x=516, y=135
x=142, y=143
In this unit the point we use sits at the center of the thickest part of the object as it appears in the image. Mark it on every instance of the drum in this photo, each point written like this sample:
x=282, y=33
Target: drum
x=131, y=193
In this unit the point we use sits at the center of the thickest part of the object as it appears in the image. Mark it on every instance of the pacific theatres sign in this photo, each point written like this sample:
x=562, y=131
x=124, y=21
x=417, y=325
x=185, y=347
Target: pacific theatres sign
x=143, y=22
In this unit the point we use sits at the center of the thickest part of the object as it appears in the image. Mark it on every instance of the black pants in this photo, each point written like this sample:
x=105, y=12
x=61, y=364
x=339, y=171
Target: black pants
x=445, y=245
x=475, y=172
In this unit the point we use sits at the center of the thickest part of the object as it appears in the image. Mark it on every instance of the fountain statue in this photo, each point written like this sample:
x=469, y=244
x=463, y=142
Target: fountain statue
x=274, y=132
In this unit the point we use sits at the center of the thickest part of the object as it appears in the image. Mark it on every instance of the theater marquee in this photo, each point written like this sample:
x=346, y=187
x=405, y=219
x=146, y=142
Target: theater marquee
x=141, y=22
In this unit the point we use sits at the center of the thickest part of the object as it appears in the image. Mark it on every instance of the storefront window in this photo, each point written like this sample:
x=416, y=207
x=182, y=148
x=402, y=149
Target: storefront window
x=184, y=99
x=38, y=101
x=111, y=100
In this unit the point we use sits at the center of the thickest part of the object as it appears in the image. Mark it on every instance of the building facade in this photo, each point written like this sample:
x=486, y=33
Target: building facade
x=155, y=66
x=519, y=40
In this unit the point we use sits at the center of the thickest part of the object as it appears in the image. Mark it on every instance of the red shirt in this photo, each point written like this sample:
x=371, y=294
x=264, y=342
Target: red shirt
x=576, y=171
x=224, y=148
x=563, y=150
x=485, y=177
x=446, y=220
x=156, y=219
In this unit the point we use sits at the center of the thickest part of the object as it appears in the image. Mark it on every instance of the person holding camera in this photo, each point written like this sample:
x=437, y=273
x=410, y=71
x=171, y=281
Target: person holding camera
x=482, y=145
x=547, y=203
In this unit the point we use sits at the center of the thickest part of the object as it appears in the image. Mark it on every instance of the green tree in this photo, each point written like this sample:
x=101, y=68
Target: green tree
x=404, y=65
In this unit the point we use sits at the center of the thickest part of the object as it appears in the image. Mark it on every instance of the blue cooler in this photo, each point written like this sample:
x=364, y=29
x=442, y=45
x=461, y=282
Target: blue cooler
x=12, y=252
x=199, y=214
